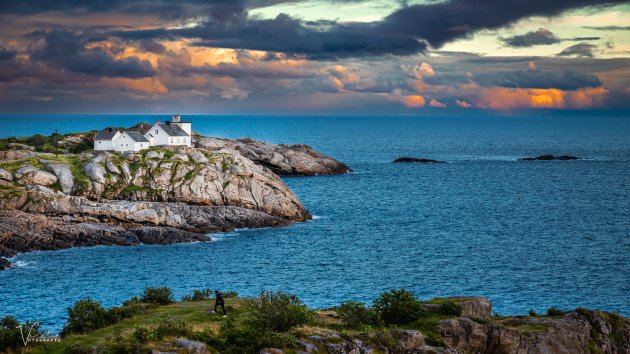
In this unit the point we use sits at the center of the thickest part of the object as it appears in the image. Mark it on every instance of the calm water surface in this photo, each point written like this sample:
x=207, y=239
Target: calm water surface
x=525, y=234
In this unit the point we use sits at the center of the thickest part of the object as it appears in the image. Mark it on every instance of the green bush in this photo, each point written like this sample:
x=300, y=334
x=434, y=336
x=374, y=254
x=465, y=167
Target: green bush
x=116, y=314
x=355, y=314
x=159, y=296
x=121, y=345
x=397, y=307
x=552, y=311
x=37, y=140
x=230, y=294
x=142, y=335
x=532, y=313
x=279, y=312
x=10, y=336
x=78, y=348
x=198, y=295
x=450, y=308
x=171, y=328
x=85, y=316
x=80, y=147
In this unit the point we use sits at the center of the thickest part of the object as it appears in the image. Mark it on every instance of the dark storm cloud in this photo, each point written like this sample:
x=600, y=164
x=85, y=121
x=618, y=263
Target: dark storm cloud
x=569, y=80
x=542, y=36
x=66, y=50
x=579, y=50
x=608, y=28
x=6, y=53
x=404, y=32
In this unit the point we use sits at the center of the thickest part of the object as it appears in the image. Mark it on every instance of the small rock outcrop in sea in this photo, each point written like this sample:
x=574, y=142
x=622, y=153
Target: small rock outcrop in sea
x=416, y=160
x=550, y=158
x=158, y=195
x=4, y=264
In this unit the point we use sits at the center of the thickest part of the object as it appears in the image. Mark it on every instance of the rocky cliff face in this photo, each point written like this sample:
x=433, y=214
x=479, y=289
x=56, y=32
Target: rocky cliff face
x=298, y=160
x=160, y=195
x=474, y=330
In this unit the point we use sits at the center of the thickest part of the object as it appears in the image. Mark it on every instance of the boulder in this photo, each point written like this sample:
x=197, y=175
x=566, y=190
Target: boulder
x=64, y=176
x=198, y=157
x=6, y=175
x=416, y=160
x=112, y=168
x=16, y=154
x=191, y=346
x=95, y=171
x=180, y=157
x=18, y=146
x=34, y=176
x=154, y=155
x=551, y=158
x=4, y=264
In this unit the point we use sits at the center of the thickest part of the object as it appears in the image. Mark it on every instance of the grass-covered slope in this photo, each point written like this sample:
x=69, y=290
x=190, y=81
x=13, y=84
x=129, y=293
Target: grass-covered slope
x=396, y=322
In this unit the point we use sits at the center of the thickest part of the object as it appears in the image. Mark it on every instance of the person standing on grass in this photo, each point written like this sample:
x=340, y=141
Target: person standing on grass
x=218, y=301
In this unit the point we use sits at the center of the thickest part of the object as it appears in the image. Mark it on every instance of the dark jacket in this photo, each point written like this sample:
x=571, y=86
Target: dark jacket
x=219, y=299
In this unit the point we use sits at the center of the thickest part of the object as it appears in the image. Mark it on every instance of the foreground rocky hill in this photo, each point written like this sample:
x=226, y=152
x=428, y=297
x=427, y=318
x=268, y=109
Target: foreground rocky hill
x=278, y=323
x=158, y=195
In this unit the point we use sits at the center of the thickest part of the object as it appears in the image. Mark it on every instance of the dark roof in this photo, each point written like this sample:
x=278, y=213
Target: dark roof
x=173, y=130
x=137, y=136
x=106, y=134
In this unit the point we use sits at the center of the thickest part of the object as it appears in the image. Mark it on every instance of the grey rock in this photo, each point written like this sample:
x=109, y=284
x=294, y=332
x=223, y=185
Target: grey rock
x=191, y=346
x=95, y=171
x=31, y=175
x=6, y=175
x=180, y=157
x=112, y=168
x=64, y=176
x=154, y=155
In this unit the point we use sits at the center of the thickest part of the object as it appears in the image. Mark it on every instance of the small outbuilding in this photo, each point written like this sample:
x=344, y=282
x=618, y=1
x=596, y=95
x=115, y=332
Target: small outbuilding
x=104, y=140
x=131, y=141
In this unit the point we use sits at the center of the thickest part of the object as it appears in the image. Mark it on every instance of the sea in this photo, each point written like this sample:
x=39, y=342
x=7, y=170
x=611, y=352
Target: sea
x=525, y=234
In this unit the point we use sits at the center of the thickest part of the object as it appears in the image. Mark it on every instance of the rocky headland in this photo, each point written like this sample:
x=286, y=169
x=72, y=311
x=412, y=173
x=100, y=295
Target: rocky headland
x=69, y=195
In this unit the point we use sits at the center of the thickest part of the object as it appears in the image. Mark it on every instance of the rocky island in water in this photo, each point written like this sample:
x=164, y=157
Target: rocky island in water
x=63, y=194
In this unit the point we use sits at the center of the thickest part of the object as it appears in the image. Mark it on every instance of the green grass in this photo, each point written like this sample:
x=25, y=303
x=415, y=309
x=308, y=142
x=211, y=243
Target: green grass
x=196, y=314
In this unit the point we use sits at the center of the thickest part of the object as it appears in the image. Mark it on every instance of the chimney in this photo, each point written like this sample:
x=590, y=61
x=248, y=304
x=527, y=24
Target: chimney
x=109, y=129
x=168, y=123
x=175, y=118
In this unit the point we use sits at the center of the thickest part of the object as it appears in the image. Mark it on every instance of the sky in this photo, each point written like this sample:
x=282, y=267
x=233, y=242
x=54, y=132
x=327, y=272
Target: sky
x=313, y=56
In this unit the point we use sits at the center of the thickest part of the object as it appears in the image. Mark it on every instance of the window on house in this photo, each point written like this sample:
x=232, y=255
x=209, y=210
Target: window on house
x=156, y=131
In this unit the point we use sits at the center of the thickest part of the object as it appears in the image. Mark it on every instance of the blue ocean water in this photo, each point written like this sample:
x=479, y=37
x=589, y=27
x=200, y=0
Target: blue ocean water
x=528, y=235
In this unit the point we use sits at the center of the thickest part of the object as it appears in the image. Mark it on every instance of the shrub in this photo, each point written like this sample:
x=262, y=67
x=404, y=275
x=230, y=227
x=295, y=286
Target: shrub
x=78, y=348
x=37, y=140
x=397, y=306
x=121, y=345
x=171, y=328
x=159, y=296
x=116, y=314
x=85, y=316
x=450, y=308
x=10, y=336
x=355, y=314
x=80, y=147
x=532, y=313
x=230, y=294
x=552, y=311
x=198, y=295
x=279, y=312
x=142, y=335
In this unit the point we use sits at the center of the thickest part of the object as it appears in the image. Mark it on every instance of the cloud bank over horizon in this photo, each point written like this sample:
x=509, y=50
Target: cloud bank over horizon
x=272, y=56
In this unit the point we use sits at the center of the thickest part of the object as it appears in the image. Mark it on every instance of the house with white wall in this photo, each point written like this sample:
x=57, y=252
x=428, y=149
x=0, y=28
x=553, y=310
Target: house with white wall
x=172, y=133
x=131, y=141
x=104, y=140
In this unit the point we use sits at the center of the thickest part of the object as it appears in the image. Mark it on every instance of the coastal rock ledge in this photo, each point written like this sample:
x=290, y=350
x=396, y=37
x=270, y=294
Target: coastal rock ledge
x=159, y=195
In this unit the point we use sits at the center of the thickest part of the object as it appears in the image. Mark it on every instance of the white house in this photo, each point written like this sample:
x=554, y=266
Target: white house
x=131, y=141
x=170, y=133
x=173, y=133
x=104, y=140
